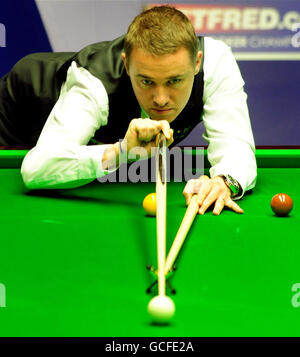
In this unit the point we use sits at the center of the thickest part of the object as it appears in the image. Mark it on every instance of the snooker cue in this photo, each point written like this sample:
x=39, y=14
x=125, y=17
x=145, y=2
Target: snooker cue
x=182, y=232
x=161, y=194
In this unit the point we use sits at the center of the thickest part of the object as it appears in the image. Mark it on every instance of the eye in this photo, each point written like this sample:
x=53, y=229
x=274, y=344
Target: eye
x=174, y=81
x=147, y=82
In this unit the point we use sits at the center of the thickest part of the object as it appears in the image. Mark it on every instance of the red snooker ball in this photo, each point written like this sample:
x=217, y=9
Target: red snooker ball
x=281, y=204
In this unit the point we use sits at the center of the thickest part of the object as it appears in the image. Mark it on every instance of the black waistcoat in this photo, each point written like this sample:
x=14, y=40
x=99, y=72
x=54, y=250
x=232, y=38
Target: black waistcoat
x=30, y=90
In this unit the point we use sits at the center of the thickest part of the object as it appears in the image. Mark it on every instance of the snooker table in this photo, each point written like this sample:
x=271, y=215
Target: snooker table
x=73, y=261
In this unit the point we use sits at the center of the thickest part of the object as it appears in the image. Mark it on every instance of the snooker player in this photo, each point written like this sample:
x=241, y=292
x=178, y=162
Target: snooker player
x=72, y=108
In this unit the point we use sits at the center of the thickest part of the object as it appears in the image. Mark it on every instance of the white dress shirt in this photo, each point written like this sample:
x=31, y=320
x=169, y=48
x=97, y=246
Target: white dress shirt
x=62, y=158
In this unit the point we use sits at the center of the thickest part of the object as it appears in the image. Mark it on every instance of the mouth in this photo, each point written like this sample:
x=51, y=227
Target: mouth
x=162, y=111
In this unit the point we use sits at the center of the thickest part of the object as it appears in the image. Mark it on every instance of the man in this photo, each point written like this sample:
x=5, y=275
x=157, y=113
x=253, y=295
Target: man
x=160, y=78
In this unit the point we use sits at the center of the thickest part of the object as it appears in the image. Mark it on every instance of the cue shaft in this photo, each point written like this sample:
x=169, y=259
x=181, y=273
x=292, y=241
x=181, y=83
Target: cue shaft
x=161, y=197
x=186, y=223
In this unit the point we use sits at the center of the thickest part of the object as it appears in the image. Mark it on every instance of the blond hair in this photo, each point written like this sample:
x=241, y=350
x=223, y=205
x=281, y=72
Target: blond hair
x=161, y=30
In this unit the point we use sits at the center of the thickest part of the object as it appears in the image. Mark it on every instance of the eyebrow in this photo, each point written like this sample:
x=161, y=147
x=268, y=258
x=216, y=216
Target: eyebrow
x=147, y=77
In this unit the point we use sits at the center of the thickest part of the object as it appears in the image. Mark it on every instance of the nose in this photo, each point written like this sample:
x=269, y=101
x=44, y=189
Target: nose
x=161, y=97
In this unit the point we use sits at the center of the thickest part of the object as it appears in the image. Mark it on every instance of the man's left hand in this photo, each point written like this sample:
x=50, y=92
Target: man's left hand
x=209, y=191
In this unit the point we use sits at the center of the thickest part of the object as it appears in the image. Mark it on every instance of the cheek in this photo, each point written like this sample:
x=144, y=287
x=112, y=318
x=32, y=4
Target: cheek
x=190, y=88
x=184, y=94
x=139, y=93
x=138, y=90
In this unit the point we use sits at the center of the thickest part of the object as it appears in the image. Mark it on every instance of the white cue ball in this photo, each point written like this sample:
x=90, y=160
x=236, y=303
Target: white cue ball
x=161, y=309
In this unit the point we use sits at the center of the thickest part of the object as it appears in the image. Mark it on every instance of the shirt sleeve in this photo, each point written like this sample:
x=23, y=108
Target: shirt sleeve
x=61, y=157
x=231, y=148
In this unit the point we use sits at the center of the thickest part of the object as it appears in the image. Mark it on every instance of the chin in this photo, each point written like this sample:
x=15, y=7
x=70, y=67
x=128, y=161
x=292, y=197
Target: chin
x=169, y=119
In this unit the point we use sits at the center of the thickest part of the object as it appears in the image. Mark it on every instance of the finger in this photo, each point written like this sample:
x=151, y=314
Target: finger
x=145, y=129
x=133, y=126
x=171, y=140
x=220, y=203
x=204, y=190
x=158, y=139
x=147, y=132
x=165, y=128
x=192, y=187
x=234, y=206
x=188, y=197
x=207, y=202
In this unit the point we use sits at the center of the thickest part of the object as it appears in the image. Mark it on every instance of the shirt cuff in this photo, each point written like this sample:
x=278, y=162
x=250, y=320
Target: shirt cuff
x=241, y=180
x=92, y=158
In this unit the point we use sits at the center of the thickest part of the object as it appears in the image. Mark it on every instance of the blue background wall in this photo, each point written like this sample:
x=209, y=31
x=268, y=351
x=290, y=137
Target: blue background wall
x=273, y=87
x=24, y=32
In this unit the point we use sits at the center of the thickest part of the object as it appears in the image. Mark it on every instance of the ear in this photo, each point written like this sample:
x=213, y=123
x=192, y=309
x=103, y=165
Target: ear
x=198, y=62
x=125, y=61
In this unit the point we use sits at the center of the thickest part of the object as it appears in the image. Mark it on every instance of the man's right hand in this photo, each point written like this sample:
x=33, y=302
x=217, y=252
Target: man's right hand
x=142, y=133
x=140, y=138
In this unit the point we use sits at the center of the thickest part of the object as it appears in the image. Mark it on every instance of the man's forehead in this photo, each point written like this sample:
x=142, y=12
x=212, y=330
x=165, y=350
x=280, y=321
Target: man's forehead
x=140, y=53
x=169, y=65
